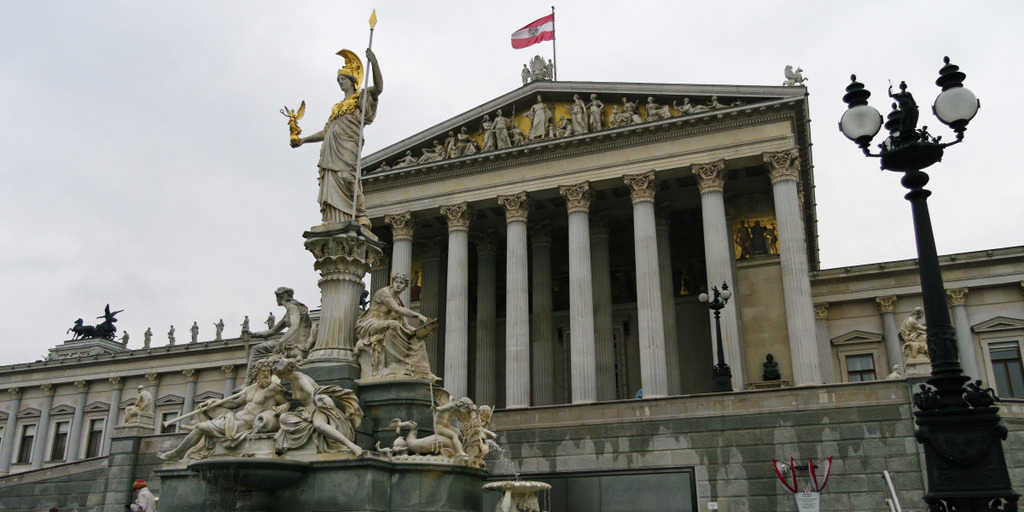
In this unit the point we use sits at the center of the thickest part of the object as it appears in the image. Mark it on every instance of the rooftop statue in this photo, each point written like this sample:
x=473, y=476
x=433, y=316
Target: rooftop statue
x=194, y=330
x=294, y=343
x=219, y=328
x=388, y=347
x=794, y=77
x=170, y=336
x=341, y=138
x=147, y=337
x=105, y=329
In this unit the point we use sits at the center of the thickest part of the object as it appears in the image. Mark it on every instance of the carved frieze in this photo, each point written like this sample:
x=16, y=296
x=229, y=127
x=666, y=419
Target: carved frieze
x=641, y=186
x=577, y=197
x=710, y=176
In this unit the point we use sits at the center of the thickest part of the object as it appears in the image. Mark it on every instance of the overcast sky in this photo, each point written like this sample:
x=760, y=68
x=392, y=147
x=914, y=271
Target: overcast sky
x=144, y=163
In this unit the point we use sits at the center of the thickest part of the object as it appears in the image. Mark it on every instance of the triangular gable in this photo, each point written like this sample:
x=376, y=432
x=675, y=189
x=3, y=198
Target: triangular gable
x=170, y=400
x=126, y=403
x=97, y=407
x=999, y=323
x=857, y=337
x=31, y=412
x=63, y=409
x=206, y=395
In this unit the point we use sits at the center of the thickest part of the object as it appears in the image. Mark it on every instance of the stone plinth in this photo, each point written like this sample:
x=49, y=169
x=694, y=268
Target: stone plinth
x=139, y=426
x=917, y=369
x=344, y=253
x=386, y=399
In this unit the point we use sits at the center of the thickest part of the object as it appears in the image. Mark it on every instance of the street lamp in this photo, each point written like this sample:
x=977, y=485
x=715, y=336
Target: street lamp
x=957, y=424
x=721, y=372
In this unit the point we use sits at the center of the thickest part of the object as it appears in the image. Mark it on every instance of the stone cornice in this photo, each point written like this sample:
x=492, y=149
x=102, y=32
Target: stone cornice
x=577, y=197
x=517, y=206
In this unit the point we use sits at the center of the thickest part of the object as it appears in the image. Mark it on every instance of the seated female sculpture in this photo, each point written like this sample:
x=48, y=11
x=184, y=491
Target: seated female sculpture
x=387, y=346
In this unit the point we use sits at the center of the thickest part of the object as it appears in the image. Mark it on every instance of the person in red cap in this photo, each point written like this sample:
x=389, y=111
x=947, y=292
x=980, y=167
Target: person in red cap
x=144, y=500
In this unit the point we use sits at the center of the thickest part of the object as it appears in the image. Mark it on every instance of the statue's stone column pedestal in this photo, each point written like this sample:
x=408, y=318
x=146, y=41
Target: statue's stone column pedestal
x=405, y=399
x=344, y=253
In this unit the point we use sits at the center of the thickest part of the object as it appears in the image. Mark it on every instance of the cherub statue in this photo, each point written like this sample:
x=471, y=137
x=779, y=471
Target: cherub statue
x=293, y=121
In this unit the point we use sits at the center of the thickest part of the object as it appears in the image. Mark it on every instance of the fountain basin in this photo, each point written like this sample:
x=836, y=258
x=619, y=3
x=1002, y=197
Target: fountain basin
x=249, y=474
x=517, y=487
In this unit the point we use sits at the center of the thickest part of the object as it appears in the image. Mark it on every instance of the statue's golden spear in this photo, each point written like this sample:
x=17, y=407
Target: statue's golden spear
x=362, y=122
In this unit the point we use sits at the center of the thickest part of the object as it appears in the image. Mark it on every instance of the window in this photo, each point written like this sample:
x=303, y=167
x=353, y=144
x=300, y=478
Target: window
x=60, y=440
x=28, y=434
x=860, y=368
x=169, y=429
x=92, y=446
x=1007, y=370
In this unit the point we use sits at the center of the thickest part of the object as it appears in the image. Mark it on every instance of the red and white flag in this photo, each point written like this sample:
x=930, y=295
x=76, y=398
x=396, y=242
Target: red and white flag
x=536, y=32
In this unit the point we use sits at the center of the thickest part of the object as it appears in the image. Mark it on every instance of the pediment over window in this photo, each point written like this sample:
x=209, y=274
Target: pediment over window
x=857, y=337
x=170, y=400
x=31, y=412
x=62, y=409
x=97, y=407
x=126, y=403
x=3, y=416
x=206, y=395
x=999, y=323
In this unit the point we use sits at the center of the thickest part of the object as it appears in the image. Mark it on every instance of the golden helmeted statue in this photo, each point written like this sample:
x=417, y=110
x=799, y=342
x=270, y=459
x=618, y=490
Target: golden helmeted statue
x=339, y=154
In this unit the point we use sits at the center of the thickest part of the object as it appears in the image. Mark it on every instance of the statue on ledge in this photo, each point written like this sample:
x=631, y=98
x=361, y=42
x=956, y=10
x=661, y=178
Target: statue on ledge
x=387, y=346
x=915, y=337
x=139, y=412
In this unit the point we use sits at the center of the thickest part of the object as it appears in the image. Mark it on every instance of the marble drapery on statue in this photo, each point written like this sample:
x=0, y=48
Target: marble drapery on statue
x=915, y=337
x=296, y=342
x=339, y=154
x=331, y=427
x=387, y=346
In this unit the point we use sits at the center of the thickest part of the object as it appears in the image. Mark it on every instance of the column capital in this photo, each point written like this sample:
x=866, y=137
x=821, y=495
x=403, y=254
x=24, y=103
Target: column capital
x=457, y=215
x=153, y=378
x=577, y=197
x=540, y=234
x=517, y=206
x=229, y=370
x=402, y=225
x=190, y=375
x=783, y=165
x=886, y=304
x=710, y=176
x=821, y=311
x=484, y=241
x=82, y=385
x=957, y=296
x=116, y=382
x=641, y=186
x=15, y=393
x=48, y=389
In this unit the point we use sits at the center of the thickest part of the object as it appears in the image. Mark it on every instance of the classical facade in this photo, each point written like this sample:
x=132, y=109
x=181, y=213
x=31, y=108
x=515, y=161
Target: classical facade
x=563, y=249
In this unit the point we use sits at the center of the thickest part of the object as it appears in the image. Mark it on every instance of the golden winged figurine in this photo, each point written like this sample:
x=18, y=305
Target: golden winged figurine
x=293, y=120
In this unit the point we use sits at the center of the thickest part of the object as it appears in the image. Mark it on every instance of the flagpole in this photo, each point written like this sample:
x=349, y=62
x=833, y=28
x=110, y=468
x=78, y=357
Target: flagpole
x=362, y=121
x=554, y=54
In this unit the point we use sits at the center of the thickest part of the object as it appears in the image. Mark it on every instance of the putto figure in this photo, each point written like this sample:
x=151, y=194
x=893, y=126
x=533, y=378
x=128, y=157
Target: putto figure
x=341, y=137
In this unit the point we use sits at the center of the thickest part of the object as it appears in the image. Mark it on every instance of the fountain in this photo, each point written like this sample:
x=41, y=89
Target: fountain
x=519, y=496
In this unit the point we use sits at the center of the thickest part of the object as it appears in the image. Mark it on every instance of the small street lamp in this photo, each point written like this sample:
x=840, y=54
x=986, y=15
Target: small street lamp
x=721, y=372
x=957, y=424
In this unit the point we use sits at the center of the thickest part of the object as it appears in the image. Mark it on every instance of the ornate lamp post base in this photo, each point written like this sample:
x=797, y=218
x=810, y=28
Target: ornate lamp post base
x=722, y=376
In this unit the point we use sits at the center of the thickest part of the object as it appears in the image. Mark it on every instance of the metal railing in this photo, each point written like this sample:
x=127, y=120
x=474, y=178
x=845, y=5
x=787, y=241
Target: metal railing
x=890, y=490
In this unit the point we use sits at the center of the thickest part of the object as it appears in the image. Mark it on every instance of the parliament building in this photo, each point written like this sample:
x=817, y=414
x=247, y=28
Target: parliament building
x=563, y=234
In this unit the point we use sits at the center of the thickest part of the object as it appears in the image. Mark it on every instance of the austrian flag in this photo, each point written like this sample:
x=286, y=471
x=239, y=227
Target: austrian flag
x=536, y=32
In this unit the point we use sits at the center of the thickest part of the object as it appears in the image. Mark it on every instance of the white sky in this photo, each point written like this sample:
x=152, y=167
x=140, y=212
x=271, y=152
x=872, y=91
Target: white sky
x=143, y=161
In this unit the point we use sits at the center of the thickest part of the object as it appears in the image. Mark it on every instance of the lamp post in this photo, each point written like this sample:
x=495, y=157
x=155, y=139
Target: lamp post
x=957, y=424
x=721, y=372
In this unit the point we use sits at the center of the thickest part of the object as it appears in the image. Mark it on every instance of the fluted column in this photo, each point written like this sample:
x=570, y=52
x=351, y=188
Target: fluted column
x=43, y=429
x=75, y=437
x=604, y=348
x=380, y=275
x=229, y=378
x=829, y=372
x=517, y=305
x=542, y=326
x=957, y=299
x=402, y=227
x=653, y=370
x=581, y=293
x=486, y=320
x=430, y=293
x=668, y=302
x=115, y=407
x=718, y=258
x=153, y=379
x=456, y=326
x=7, y=444
x=190, y=392
x=784, y=172
x=890, y=332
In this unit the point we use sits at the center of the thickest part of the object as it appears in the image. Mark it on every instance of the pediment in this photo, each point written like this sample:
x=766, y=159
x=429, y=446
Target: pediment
x=126, y=403
x=713, y=104
x=31, y=412
x=97, y=407
x=206, y=395
x=62, y=409
x=857, y=337
x=999, y=323
x=170, y=400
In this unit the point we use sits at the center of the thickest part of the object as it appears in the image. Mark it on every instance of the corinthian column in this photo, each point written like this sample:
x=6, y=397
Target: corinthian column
x=581, y=293
x=784, y=171
x=229, y=379
x=190, y=391
x=456, y=325
x=718, y=258
x=890, y=332
x=402, y=227
x=957, y=299
x=668, y=303
x=541, y=323
x=115, y=400
x=604, y=349
x=829, y=372
x=43, y=429
x=343, y=257
x=517, y=305
x=653, y=371
x=75, y=438
x=430, y=295
x=486, y=320
x=7, y=443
